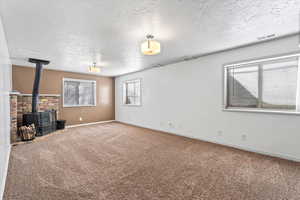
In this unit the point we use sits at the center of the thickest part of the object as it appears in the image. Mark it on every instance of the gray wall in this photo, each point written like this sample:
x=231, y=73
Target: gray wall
x=5, y=87
x=186, y=99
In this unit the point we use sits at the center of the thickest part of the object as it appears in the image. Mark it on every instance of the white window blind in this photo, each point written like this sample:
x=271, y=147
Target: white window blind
x=266, y=84
x=79, y=92
x=132, y=92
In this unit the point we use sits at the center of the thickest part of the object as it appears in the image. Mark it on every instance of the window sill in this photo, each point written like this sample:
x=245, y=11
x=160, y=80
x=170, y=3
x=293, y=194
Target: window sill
x=78, y=106
x=132, y=105
x=283, y=112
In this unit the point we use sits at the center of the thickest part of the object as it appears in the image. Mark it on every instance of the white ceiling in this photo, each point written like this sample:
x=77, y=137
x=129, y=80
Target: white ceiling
x=75, y=33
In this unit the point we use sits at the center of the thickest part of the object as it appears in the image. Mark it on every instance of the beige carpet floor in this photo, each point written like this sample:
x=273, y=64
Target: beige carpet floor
x=114, y=161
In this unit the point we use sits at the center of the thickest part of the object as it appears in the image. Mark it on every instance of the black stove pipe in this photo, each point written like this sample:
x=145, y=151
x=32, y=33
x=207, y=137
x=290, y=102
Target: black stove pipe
x=37, y=79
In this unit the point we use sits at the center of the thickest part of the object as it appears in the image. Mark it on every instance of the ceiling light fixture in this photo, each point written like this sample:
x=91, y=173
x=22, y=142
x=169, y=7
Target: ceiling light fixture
x=150, y=46
x=94, y=68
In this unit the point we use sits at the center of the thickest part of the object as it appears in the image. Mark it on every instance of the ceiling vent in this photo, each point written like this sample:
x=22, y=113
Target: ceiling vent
x=266, y=37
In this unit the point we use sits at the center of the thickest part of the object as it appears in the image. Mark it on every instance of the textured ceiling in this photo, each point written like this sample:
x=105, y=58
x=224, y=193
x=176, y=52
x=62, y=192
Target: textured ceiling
x=75, y=33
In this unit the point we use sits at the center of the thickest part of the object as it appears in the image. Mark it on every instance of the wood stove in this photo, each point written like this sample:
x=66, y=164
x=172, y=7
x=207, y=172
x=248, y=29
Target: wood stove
x=45, y=122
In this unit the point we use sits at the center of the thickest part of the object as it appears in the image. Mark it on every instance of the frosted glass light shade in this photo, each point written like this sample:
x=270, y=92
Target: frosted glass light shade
x=150, y=47
x=94, y=69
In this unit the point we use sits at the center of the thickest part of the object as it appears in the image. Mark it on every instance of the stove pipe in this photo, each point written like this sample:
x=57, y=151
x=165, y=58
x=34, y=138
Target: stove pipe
x=36, y=84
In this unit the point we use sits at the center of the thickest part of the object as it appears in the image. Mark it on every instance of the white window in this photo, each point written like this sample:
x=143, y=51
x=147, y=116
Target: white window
x=263, y=85
x=132, y=92
x=78, y=92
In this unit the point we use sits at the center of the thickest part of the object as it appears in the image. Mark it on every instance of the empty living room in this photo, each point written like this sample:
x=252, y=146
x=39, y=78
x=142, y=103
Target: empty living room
x=150, y=100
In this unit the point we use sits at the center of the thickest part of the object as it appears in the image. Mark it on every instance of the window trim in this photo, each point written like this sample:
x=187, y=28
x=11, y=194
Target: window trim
x=80, y=80
x=259, y=61
x=132, y=80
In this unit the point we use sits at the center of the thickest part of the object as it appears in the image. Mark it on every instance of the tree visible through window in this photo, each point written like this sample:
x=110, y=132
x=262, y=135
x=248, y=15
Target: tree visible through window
x=269, y=84
x=79, y=92
x=132, y=92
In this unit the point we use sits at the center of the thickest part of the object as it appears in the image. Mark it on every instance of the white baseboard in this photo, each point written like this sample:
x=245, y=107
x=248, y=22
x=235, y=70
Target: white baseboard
x=2, y=186
x=277, y=155
x=92, y=123
x=258, y=151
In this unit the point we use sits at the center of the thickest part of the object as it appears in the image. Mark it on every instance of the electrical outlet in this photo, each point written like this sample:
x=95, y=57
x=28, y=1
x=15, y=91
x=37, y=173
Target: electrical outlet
x=80, y=118
x=170, y=124
x=180, y=127
x=220, y=133
x=244, y=137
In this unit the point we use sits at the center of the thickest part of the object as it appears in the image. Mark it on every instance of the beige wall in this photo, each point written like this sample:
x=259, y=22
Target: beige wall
x=51, y=83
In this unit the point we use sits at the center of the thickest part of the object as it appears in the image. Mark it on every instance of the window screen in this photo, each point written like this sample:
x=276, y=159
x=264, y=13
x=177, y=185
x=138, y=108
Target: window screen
x=266, y=84
x=132, y=92
x=79, y=92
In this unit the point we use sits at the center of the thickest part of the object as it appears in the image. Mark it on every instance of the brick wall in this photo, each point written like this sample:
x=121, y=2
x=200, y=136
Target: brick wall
x=45, y=103
x=13, y=117
x=21, y=104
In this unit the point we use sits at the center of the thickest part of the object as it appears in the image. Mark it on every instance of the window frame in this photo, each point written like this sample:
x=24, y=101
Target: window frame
x=259, y=62
x=128, y=81
x=79, y=80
